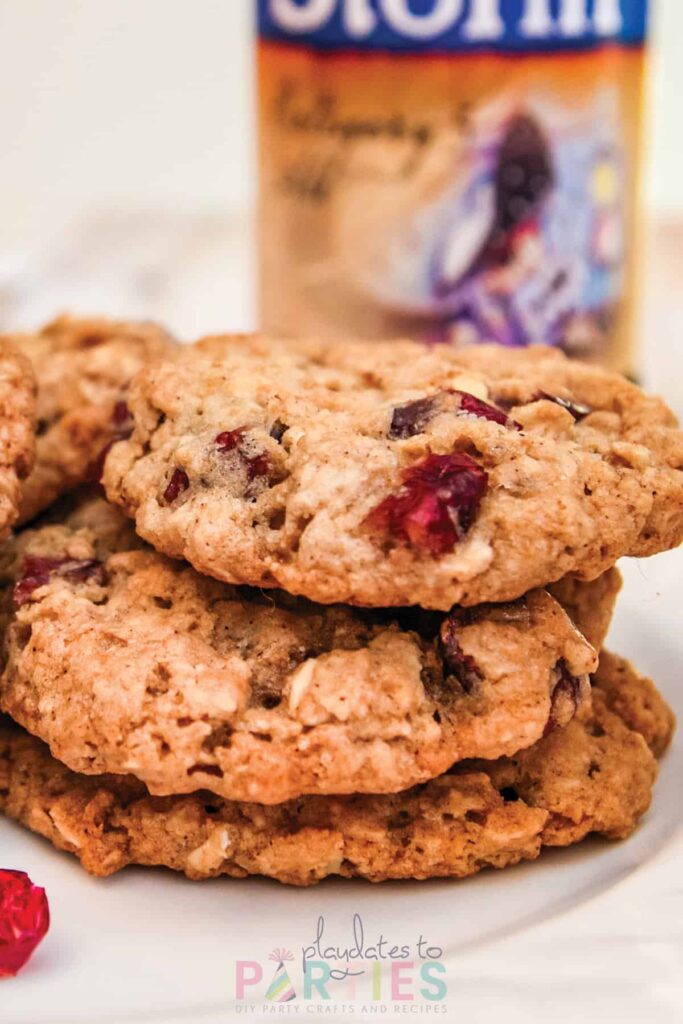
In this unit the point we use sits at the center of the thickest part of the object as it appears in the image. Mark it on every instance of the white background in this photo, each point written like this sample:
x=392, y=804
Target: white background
x=150, y=101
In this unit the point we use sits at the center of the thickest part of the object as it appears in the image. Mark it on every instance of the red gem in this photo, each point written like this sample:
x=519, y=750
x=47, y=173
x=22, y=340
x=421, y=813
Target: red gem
x=436, y=505
x=178, y=483
x=38, y=571
x=24, y=920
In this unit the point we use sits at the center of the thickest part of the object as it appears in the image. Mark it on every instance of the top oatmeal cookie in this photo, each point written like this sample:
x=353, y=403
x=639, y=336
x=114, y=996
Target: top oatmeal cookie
x=17, y=408
x=83, y=367
x=394, y=474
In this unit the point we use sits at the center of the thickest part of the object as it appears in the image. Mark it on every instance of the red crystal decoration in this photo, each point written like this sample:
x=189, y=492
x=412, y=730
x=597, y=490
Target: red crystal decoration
x=24, y=920
x=436, y=504
x=37, y=571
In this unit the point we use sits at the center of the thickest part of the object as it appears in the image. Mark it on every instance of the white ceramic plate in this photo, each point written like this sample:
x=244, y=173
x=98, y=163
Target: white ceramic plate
x=147, y=946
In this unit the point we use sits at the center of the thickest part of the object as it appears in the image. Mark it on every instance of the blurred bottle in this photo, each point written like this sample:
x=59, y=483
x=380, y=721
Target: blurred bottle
x=458, y=170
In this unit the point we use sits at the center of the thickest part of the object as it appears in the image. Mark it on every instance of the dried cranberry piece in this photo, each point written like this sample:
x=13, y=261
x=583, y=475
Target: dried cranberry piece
x=278, y=430
x=24, y=920
x=412, y=418
x=37, y=571
x=475, y=406
x=576, y=409
x=229, y=440
x=121, y=419
x=457, y=663
x=565, y=698
x=121, y=414
x=178, y=483
x=257, y=465
x=232, y=440
x=436, y=504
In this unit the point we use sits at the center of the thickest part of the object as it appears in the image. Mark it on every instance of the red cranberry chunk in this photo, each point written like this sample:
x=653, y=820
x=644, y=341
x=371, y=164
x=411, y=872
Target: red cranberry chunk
x=456, y=662
x=566, y=697
x=229, y=440
x=436, y=505
x=121, y=414
x=178, y=483
x=475, y=406
x=24, y=920
x=413, y=417
x=37, y=571
x=257, y=466
x=121, y=419
x=575, y=409
x=233, y=440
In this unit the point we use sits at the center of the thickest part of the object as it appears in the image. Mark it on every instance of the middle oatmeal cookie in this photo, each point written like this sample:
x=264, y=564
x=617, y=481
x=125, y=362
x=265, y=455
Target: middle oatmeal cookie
x=83, y=367
x=393, y=474
x=126, y=662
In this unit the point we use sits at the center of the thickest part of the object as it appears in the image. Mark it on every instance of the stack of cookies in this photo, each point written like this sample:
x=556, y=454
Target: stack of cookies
x=337, y=609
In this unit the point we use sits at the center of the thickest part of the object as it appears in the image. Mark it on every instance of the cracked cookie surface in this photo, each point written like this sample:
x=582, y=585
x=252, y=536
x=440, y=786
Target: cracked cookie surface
x=124, y=661
x=17, y=423
x=394, y=474
x=83, y=367
x=595, y=775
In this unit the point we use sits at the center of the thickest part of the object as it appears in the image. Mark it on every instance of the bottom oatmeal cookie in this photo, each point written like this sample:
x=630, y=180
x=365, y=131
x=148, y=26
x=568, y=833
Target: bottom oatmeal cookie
x=596, y=775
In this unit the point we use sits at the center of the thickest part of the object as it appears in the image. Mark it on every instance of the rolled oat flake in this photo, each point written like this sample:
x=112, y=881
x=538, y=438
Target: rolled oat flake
x=455, y=170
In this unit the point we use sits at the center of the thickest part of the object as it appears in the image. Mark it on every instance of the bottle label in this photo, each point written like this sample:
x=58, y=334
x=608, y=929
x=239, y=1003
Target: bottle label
x=454, y=25
x=456, y=170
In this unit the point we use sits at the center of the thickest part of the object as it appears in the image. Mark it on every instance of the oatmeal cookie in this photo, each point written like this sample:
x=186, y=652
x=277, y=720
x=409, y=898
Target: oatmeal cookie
x=17, y=441
x=83, y=367
x=394, y=474
x=124, y=661
x=593, y=776
x=590, y=606
x=636, y=700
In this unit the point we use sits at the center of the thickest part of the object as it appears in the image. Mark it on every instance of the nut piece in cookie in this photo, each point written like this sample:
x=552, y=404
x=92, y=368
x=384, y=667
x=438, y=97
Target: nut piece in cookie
x=17, y=421
x=393, y=474
x=126, y=662
x=593, y=776
x=83, y=368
